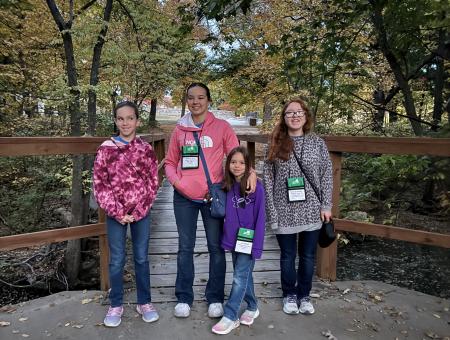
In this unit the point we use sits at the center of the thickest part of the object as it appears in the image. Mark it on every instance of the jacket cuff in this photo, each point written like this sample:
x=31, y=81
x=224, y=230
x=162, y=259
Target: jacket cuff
x=273, y=225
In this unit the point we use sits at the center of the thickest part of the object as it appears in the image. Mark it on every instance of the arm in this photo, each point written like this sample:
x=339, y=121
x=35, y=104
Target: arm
x=260, y=222
x=103, y=191
x=172, y=159
x=269, y=180
x=326, y=182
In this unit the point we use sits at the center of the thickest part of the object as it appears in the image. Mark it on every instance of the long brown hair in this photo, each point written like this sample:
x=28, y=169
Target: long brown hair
x=229, y=179
x=281, y=145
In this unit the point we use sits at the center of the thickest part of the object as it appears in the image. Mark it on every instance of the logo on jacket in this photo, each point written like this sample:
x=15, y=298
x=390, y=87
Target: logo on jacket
x=206, y=142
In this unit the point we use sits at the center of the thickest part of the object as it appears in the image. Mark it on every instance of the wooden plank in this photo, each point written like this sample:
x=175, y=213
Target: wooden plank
x=33, y=146
x=394, y=233
x=51, y=236
x=104, y=254
x=378, y=145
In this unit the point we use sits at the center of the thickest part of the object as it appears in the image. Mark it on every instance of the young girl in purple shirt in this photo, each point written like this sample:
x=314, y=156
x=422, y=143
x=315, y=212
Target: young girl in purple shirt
x=243, y=235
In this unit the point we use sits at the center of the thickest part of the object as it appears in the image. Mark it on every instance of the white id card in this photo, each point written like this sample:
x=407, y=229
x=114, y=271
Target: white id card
x=243, y=247
x=296, y=195
x=189, y=162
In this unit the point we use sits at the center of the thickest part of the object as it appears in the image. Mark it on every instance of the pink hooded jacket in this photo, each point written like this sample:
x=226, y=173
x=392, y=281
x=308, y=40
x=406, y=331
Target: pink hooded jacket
x=125, y=178
x=217, y=139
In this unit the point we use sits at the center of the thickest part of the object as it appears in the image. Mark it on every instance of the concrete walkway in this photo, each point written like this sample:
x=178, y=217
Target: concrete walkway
x=344, y=310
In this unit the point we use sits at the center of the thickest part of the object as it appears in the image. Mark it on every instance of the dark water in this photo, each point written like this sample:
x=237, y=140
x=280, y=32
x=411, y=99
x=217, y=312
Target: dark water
x=422, y=268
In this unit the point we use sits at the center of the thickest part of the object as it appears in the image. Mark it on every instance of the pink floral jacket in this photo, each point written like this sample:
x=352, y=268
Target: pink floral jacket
x=125, y=178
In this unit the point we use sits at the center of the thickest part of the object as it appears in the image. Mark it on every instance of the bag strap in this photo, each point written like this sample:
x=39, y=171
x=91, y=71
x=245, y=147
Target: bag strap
x=306, y=176
x=202, y=157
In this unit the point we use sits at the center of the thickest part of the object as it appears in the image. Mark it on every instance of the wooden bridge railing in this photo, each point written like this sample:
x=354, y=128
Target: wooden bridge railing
x=326, y=260
x=38, y=146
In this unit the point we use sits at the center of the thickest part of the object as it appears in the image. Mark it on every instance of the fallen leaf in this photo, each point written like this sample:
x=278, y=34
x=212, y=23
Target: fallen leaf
x=350, y=330
x=23, y=319
x=8, y=309
x=15, y=331
x=25, y=335
x=346, y=291
x=4, y=323
x=271, y=326
x=432, y=335
x=327, y=334
x=437, y=316
x=85, y=301
x=78, y=326
x=165, y=256
x=314, y=295
x=67, y=324
x=85, y=291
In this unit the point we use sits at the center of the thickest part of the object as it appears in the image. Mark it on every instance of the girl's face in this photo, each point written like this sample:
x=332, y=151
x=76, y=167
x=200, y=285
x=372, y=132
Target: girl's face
x=237, y=165
x=126, y=122
x=197, y=101
x=295, y=117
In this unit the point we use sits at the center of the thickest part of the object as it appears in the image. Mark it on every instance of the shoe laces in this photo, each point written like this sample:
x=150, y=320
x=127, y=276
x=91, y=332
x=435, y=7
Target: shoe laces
x=291, y=299
x=114, y=311
x=148, y=307
x=305, y=299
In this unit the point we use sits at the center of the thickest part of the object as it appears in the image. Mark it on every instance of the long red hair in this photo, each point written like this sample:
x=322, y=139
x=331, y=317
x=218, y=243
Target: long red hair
x=281, y=144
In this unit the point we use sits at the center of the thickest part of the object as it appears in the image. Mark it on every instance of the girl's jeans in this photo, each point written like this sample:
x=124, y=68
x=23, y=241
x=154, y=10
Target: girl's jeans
x=306, y=247
x=242, y=288
x=117, y=235
x=186, y=214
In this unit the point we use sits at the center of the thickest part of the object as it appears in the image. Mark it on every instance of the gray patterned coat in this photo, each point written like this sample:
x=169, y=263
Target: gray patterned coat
x=293, y=217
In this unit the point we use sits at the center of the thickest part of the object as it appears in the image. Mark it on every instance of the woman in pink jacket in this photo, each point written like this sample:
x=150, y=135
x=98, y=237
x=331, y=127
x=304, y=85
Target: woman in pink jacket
x=125, y=186
x=185, y=172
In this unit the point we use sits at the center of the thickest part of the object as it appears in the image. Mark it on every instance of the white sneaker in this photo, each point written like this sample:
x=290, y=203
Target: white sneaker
x=182, y=310
x=215, y=310
x=248, y=317
x=290, y=304
x=306, y=306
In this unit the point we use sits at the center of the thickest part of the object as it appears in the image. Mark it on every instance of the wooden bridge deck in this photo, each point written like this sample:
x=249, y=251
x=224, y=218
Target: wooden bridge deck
x=163, y=257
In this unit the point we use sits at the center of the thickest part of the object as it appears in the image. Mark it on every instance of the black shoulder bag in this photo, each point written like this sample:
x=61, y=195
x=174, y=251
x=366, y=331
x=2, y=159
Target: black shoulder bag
x=327, y=234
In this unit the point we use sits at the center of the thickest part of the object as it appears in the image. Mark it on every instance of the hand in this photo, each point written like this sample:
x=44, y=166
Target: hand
x=325, y=215
x=127, y=219
x=251, y=182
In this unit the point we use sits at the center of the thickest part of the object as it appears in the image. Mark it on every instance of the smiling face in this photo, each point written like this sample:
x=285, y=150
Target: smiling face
x=126, y=122
x=197, y=102
x=295, y=118
x=237, y=165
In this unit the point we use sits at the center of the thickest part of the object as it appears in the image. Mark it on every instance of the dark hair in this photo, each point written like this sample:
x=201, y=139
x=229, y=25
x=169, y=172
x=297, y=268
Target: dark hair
x=203, y=86
x=129, y=104
x=229, y=179
x=281, y=145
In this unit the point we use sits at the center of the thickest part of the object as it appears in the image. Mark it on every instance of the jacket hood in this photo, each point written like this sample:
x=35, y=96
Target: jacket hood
x=186, y=123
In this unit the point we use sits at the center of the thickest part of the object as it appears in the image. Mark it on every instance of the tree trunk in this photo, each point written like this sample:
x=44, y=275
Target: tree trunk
x=267, y=110
x=152, y=115
x=402, y=80
x=378, y=117
x=183, y=106
x=93, y=81
x=72, y=256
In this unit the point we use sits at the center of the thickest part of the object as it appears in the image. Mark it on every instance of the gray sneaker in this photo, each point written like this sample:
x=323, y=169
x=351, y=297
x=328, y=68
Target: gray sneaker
x=215, y=310
x=306, y=306
x=290, y=304
x=182, y=310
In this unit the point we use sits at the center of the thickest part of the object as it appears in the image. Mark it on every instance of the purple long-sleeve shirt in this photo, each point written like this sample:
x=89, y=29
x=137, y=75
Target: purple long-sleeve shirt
x=252, y=216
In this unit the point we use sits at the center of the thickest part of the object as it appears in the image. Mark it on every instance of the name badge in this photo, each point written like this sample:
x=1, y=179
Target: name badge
x=244, y=242
x=296, y=189
x=189, y=157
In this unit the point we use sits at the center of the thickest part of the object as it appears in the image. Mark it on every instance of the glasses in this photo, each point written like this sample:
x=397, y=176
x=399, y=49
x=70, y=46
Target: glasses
x=291, y=114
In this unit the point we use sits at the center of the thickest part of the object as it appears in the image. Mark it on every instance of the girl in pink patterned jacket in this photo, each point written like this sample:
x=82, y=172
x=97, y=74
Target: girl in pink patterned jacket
x=125, y=186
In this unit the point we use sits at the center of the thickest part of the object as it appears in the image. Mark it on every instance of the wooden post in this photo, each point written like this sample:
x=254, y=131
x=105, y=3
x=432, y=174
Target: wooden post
x=252, y=152
x=104, y=254
x=327, y=257
x=159, y=148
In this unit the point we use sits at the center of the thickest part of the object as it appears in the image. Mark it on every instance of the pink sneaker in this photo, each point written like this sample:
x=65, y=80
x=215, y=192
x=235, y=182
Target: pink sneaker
x=248, y=317
x=225, y=326
x=148, y=312
x=114, y=317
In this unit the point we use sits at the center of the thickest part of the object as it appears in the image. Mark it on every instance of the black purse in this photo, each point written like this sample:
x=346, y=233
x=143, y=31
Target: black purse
x=327, y=234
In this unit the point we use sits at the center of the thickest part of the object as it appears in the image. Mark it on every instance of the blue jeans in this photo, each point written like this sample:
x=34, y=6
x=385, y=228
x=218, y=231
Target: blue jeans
x=306, y=247
x=117, y=235
x=186, y=214
x=242, y=288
